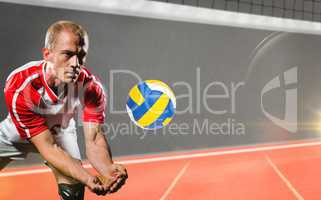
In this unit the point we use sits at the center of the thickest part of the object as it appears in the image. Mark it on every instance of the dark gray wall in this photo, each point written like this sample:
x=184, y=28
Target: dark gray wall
x=232, y=63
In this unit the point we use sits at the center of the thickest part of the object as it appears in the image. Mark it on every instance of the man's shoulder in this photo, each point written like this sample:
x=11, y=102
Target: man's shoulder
x=90, y=81
x=85, y=75
x=85, y=72
x=22, y=76
x=26, y=70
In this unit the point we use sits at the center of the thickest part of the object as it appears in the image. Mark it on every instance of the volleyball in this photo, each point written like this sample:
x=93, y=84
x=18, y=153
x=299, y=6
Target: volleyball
x=151, y=104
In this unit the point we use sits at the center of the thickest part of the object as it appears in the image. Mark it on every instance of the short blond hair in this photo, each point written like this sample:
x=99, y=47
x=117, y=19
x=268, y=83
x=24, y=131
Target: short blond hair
x=62, y=25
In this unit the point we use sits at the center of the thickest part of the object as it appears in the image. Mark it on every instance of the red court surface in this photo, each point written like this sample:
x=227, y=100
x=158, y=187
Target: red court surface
x=278, y=171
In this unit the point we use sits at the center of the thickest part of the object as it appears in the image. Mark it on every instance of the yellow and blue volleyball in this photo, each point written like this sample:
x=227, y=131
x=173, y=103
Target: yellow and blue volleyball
x=151, y=104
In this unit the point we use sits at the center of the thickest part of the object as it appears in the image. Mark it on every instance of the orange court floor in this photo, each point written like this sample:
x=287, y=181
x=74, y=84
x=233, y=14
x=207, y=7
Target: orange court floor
x=271, y=171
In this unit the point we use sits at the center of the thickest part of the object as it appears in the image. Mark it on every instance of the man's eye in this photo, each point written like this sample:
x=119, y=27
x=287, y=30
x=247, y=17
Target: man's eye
x=68, y=54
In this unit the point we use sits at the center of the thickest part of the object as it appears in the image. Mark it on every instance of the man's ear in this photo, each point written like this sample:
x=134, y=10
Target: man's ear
x=45, y=53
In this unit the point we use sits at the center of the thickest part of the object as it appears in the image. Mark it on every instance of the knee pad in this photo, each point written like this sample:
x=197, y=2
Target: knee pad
x=71, y=191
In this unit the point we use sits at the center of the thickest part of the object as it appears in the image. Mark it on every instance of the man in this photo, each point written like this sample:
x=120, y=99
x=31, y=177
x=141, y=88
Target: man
x=42, y=98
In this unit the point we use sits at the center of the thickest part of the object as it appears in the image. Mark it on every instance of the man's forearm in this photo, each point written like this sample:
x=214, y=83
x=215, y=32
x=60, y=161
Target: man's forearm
x=66, y=164
x=58, y=158
x=99, y=155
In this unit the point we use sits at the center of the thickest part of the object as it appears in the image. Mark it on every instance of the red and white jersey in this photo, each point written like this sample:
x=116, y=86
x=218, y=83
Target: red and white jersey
x=34, y=107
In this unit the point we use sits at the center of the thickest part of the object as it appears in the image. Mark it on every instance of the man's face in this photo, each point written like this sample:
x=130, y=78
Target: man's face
x=66, y=56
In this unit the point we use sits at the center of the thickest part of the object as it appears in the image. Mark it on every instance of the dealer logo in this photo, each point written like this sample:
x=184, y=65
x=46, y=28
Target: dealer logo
x=290, y=120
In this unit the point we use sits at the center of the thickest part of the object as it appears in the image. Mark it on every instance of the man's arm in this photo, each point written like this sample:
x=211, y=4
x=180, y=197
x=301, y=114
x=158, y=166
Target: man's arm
x=61, y=160
x=99, y=154
x=97, y=148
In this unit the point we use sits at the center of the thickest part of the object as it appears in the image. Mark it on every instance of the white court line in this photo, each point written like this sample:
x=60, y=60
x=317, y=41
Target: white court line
x=174, y=182
x=177, y=157
x=284, y=179
x=25, y=172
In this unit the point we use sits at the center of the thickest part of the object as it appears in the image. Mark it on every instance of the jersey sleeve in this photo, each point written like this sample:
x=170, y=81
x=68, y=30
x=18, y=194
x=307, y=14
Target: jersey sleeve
x=21, y=104
x=94, y=102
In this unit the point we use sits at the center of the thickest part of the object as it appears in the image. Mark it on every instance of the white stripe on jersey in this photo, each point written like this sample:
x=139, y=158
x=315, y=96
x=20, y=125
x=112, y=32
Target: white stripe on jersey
x=24, y=67
x=14, y=100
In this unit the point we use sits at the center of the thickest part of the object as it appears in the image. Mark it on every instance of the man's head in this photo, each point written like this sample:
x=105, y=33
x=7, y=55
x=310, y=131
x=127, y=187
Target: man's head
x=65, y=50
